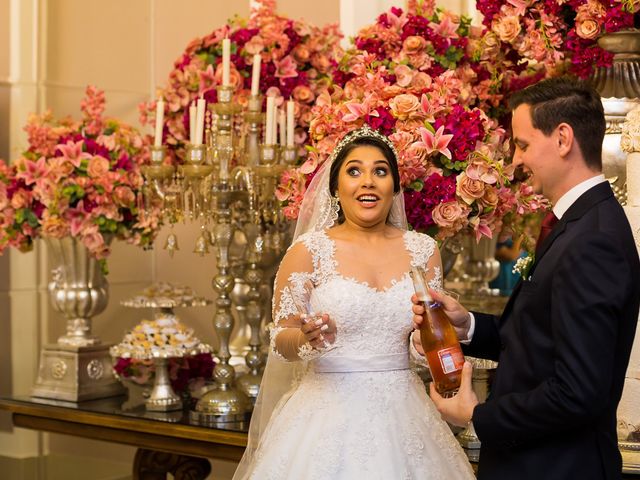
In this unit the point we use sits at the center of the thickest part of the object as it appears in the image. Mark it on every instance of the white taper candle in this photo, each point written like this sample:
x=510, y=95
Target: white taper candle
x=226, y=61
x=290, y=122
x=192, y=123
x=269, y=137
x=157, y=142
x=255, y=75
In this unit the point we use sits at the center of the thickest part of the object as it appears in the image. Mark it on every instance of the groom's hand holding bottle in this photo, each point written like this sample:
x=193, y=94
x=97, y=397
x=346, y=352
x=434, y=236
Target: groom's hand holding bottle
x=458, y=409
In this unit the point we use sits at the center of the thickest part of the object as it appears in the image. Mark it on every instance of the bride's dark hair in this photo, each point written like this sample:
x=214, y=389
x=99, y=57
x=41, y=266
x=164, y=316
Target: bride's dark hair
x=364, y=142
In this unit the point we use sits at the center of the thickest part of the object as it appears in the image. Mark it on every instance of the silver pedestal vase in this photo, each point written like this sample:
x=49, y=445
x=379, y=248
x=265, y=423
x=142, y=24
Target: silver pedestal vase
x=483, y=371
x=162, y=398
x=78, y=366
x=480, y=265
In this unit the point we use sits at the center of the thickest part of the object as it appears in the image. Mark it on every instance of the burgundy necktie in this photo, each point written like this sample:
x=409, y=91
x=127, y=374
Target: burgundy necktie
x=545, y=229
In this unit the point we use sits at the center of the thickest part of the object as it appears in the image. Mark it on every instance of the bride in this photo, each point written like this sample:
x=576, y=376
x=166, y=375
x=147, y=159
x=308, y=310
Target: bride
x=338, y=400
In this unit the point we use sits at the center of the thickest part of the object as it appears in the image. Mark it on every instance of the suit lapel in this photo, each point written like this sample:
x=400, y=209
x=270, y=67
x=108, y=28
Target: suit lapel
x=582, y=205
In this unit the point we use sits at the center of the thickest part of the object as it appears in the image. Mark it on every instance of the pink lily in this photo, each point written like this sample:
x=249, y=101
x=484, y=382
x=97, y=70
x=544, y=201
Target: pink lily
x=359, y=110
x=72, y=151
x=286, y=68
x=446, y=28
x=33, y=170
x=435, y=142
x=207, y=79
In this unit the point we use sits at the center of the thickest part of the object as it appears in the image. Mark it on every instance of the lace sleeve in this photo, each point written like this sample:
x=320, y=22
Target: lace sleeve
x=425, y=253
x=287, y=342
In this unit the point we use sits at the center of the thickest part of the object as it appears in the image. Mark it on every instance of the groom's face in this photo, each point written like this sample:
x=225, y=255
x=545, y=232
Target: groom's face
x=536, y=153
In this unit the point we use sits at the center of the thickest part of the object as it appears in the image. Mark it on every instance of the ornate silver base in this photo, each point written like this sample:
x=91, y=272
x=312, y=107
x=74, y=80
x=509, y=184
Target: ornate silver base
x=249, y=384
x=219, y=406
x=162, y=398
x=630, y=452
x=76, y=374
x=470, y=443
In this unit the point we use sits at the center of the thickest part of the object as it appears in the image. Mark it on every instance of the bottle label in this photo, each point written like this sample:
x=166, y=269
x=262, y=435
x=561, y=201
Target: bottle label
x=451, y=359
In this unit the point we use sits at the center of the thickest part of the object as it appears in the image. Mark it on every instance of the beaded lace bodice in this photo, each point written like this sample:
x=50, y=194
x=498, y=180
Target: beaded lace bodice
x=362, y=422
x=369, y=321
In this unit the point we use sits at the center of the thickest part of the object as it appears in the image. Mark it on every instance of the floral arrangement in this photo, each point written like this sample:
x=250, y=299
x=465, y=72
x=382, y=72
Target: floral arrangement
x=77, y=178
x=424, y=77
x=185, y=373
x=297, y=63
x=559, y=35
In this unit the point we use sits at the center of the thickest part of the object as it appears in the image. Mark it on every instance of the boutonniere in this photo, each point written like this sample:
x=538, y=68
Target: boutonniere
x=523, y=265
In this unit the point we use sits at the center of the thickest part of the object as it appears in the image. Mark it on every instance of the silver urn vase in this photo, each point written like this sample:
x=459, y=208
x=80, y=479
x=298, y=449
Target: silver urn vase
x=619, y=87
x=78, y=366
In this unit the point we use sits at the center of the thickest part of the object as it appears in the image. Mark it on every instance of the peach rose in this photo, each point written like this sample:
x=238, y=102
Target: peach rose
x=303, y=94
x=421, y=81
x=98, y=166
x=54, y=226
x=404, y=106
x=4, y=200
x=588, y=28
x=414, y=44
x=490, y=196
x=20, y=199
x=321, y=63
x=124, y=196
x=507, y=27
x=404, y=75
x=301, y=53
x=255, y=45
x=468, y=189
x=448, y=214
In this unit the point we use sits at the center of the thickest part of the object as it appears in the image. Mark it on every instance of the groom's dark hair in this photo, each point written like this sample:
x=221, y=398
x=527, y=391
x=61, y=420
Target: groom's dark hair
x=566, y=100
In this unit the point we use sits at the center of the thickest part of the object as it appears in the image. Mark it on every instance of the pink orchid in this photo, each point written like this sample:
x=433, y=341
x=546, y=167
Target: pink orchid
x=435, y=142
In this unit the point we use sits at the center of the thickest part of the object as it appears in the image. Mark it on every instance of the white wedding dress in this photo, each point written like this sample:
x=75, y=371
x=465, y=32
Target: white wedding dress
x=359, y=412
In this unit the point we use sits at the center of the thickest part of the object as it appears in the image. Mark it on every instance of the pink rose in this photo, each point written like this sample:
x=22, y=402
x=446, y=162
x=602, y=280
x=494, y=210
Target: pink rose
x=98, y=166
x=414, y=44
x=303, y=94
x=468, y=189
x=124, y=196
x=404, y=106
x=448, y=214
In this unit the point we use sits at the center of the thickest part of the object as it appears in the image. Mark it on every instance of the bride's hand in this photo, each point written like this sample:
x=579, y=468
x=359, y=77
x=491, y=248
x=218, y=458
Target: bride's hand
x=319, y=330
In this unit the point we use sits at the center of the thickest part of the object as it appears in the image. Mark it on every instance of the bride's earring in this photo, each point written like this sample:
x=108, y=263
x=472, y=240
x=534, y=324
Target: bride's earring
x=335, y=205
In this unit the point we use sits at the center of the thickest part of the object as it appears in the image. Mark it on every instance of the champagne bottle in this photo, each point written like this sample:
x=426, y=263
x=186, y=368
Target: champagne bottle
x=439, y=340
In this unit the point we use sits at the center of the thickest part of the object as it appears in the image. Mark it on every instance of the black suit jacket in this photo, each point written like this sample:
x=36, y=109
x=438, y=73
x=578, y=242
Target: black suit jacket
x=563, y=344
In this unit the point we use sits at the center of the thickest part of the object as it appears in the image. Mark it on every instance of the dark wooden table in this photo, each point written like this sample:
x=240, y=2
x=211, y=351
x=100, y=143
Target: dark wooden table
x=167, y=442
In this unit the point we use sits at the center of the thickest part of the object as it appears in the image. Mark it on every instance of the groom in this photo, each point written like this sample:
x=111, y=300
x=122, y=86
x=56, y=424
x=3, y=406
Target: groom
x=564, y=339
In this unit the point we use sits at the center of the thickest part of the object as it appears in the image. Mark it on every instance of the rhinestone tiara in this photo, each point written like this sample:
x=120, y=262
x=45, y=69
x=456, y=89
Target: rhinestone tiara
x=362, y=132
